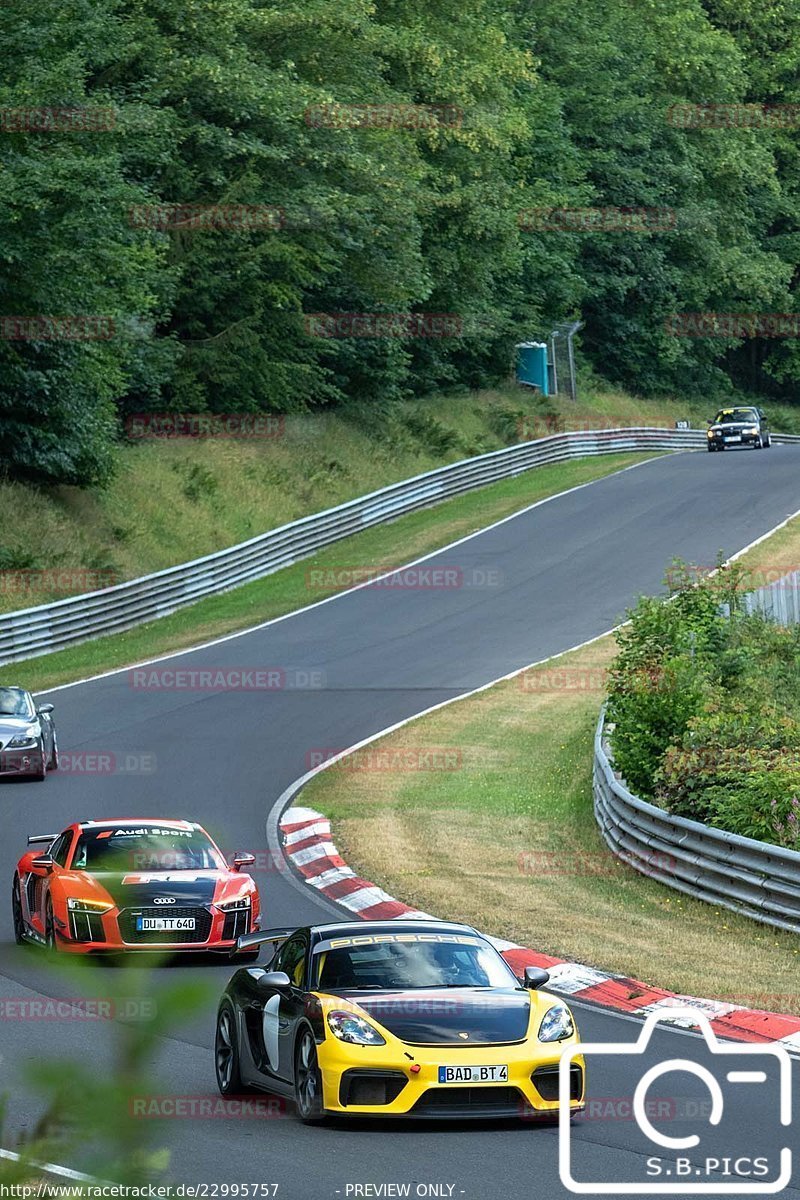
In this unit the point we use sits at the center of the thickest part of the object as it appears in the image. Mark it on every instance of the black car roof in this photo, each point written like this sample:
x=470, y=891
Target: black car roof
x=396, y=926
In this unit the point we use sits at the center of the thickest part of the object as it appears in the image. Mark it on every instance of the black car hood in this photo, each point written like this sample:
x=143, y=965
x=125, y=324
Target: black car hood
x=441, y=1016
x=188, y=889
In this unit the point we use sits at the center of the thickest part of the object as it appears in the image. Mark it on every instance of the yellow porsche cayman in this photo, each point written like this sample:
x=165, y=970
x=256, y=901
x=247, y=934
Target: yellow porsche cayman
x=394, y=1019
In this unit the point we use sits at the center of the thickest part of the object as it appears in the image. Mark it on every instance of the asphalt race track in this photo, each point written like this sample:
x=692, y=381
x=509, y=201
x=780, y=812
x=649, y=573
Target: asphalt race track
x=534, y=585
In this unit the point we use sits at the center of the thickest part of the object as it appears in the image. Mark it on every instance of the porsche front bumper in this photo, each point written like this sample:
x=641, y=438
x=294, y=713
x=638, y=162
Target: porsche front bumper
x=374, y=1081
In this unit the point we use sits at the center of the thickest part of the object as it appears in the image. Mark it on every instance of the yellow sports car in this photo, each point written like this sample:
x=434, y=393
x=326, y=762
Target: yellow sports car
x=403, y=1018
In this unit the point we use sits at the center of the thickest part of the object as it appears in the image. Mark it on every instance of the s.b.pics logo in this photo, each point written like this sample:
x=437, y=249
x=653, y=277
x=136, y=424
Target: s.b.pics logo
x=699, y=1149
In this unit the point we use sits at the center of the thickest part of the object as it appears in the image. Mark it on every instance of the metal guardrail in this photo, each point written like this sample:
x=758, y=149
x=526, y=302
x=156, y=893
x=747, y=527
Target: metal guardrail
x=33, y=631
x=750, y=877
x=779, y=600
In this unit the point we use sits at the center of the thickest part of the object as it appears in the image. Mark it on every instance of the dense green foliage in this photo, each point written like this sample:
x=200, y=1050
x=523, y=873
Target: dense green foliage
x=557, y=104
x=707, y=710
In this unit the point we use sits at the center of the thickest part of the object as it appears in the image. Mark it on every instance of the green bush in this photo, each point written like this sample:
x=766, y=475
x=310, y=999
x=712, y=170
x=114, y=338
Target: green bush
x=705, y=701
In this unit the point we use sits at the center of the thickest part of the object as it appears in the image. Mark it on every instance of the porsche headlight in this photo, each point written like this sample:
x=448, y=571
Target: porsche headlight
x=26, y=739
x=88, y=906
x=556, y=1024
x=348, y=1027
x=234, y=905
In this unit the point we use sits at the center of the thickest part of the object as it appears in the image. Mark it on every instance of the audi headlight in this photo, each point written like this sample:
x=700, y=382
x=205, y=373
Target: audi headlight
x=556, y=1024
x=349, y=1028
x=88, y=906
x=234, y=905
x=26, y=739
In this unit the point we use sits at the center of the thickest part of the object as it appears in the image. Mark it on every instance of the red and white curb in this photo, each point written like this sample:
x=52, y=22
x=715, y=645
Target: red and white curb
x=309, y=847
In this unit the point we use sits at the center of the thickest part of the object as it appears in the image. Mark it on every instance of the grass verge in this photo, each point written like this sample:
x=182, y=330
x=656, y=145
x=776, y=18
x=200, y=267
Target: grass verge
x=380, y=548
x=506, y=840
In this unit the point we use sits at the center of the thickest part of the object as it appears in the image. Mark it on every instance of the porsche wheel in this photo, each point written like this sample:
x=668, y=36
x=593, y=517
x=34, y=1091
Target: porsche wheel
x=307, y=1080
x=50, y=928
x=16, y=913
x=226, y=1053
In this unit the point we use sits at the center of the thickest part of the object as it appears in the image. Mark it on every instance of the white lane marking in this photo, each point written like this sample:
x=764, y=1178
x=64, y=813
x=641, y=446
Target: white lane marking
x=763, y=538
x=55, y=1169
x=296, y=612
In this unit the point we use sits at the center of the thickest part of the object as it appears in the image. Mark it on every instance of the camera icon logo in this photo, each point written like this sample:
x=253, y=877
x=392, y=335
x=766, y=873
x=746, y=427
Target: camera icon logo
x=673, y=1172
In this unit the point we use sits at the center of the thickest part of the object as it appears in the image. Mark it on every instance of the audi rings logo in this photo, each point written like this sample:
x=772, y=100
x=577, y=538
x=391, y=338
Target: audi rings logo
x=164, y=900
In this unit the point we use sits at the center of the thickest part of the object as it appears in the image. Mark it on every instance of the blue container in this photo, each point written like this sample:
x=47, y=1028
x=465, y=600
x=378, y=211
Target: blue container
x=532, y=366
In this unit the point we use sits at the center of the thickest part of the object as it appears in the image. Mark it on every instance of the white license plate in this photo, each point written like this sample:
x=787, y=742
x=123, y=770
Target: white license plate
x=737, y=437
x=494, y=1074
x=164, y=924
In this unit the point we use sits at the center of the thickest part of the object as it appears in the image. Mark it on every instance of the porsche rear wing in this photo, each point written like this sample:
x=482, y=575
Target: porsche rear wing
x=249, y=941
x=37, y=838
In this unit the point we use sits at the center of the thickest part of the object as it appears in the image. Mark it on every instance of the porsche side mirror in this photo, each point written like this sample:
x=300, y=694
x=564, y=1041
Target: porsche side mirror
x=274, y=981
x=45, y=708
x=536, y=978
x=243, y=860
x=43, y=863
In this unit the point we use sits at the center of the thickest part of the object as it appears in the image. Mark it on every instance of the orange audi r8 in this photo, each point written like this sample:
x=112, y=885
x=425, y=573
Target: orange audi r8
x=137, y=885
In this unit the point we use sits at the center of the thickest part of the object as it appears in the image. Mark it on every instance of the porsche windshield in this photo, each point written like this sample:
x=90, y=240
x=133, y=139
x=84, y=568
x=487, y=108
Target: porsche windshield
x=388, y=965
x=735, y=416
x=148, y=849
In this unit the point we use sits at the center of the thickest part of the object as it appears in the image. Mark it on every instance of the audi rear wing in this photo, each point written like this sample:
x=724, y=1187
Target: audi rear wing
x=38, y=838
